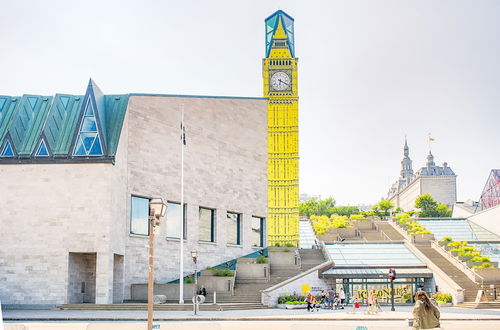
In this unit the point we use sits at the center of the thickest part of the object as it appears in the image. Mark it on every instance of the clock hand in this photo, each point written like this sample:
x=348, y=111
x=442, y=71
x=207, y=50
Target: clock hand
x=281, y=81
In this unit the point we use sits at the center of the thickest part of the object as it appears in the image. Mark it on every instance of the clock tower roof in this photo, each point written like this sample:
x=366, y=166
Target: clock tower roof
x=280, y=26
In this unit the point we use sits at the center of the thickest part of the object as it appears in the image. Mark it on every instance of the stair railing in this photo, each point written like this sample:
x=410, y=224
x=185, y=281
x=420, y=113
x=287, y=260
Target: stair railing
x=234, y=281
x=384, y=236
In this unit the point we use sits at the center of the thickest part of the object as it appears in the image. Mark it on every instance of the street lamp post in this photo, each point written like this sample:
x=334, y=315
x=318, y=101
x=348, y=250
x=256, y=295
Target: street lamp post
x=194, y=255
x=157, y=210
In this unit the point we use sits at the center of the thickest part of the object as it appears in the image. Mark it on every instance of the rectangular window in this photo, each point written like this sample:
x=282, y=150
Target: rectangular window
x=206, y=225
x=233, y=226
x=139, y=213
x=257, y=231
x=173, y=220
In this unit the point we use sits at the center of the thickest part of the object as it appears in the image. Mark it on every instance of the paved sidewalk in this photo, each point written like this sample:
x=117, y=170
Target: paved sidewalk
x=249, y=325
x=401, y=313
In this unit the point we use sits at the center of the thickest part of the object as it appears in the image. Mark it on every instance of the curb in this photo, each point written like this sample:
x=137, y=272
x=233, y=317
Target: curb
x=16, y=319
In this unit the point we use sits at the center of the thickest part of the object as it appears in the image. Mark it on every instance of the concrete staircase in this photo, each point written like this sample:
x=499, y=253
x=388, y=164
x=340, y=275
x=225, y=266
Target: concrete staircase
x=245, y=291
x=391, y=233
x=470, y=288
x=310, y=258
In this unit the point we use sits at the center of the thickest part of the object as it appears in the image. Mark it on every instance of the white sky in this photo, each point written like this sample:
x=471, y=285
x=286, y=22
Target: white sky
x=369, y=73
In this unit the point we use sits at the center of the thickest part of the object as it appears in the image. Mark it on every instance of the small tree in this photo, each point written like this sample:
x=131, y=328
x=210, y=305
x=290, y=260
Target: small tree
x=382, y=208
x=430, y=208
x=443, y=211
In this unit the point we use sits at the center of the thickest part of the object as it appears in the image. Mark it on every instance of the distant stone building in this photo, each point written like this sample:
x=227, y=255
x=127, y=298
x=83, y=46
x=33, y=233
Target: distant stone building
x=438, y=181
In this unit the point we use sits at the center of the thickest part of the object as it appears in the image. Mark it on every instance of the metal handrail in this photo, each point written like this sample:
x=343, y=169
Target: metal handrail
x=234, y=281
x=384, y=236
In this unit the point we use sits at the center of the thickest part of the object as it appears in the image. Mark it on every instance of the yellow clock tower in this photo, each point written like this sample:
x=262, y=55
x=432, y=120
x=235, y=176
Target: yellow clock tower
x=279, y=69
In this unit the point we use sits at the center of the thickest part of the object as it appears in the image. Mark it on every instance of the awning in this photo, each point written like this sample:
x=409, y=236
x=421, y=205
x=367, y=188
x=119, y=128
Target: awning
x=376, y=273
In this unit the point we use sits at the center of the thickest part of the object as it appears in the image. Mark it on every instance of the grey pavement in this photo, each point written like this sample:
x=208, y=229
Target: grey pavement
x=248, y=325
x=401, y=313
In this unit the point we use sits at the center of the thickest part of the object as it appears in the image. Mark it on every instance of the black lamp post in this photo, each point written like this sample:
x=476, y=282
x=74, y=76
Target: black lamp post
x=194, y=255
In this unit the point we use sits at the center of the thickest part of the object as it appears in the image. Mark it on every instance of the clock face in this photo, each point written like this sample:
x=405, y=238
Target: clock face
x=280, y=81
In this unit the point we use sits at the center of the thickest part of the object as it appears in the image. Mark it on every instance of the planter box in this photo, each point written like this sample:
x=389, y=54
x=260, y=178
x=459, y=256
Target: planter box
x=344, y=232
x=471, y=263
x=364, y=224
x=220, y=284
x=299, y=306
x=252, y=271
x=454, y=253
x=443, y=243
x=282, y=258
x=463, y=259
x=422, y=237
x=489, y=274
x=445, y=304
x=139, y=292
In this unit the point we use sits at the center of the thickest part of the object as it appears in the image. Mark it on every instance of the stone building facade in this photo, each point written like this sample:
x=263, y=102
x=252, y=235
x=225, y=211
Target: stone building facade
x=75, y=184
x=438, y=181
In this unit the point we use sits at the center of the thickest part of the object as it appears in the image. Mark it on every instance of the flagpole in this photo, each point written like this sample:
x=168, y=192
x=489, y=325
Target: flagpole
x=429, y=139
x=181, y=253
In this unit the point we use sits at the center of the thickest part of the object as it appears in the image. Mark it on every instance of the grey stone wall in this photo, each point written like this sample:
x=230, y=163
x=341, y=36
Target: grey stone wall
x=225, y=169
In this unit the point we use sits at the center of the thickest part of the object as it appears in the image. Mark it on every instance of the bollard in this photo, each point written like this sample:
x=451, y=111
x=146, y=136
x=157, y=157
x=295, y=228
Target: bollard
x=215, y=297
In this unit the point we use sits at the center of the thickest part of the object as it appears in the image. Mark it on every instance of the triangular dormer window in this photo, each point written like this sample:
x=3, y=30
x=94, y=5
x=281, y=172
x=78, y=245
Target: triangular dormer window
x=88, y=142
x=42, y=150
x=7, y=150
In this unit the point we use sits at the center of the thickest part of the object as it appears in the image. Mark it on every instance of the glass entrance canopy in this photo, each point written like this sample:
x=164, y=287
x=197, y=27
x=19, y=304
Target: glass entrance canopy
x=458, y=230
x=372, y=254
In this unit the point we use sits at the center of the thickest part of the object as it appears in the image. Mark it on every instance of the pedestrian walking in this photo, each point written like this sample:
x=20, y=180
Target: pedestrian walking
x=355, y=306
x=371, y=303
x=342, y=298
x=309, y=300
x=426, y=315
x=315, y=304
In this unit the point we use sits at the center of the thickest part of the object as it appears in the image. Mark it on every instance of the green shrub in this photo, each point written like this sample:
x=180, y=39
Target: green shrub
x=457, y=243
x=295, y=303
x=261, y=260
x=455, y=250
x=446, y=239
x=188, y=280
x=272, y=250
x=356, y=216
x=469, y=254
x=442, y=297
x=289, y=244
x=423, y=232
x=467, y=248
x=222, y=272
x=402, y=216
x=292, y=298
x=286, y=250
x=340, y=222
x=480, y=259
x=484, y=265
x=277, y=244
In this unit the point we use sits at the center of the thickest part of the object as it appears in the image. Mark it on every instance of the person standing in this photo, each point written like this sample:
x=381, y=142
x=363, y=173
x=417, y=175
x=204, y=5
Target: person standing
x=425, y=313
x=342, y=298
x=331, y=297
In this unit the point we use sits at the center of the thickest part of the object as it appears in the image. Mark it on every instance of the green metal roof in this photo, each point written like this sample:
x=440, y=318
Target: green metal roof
x=26, y=121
